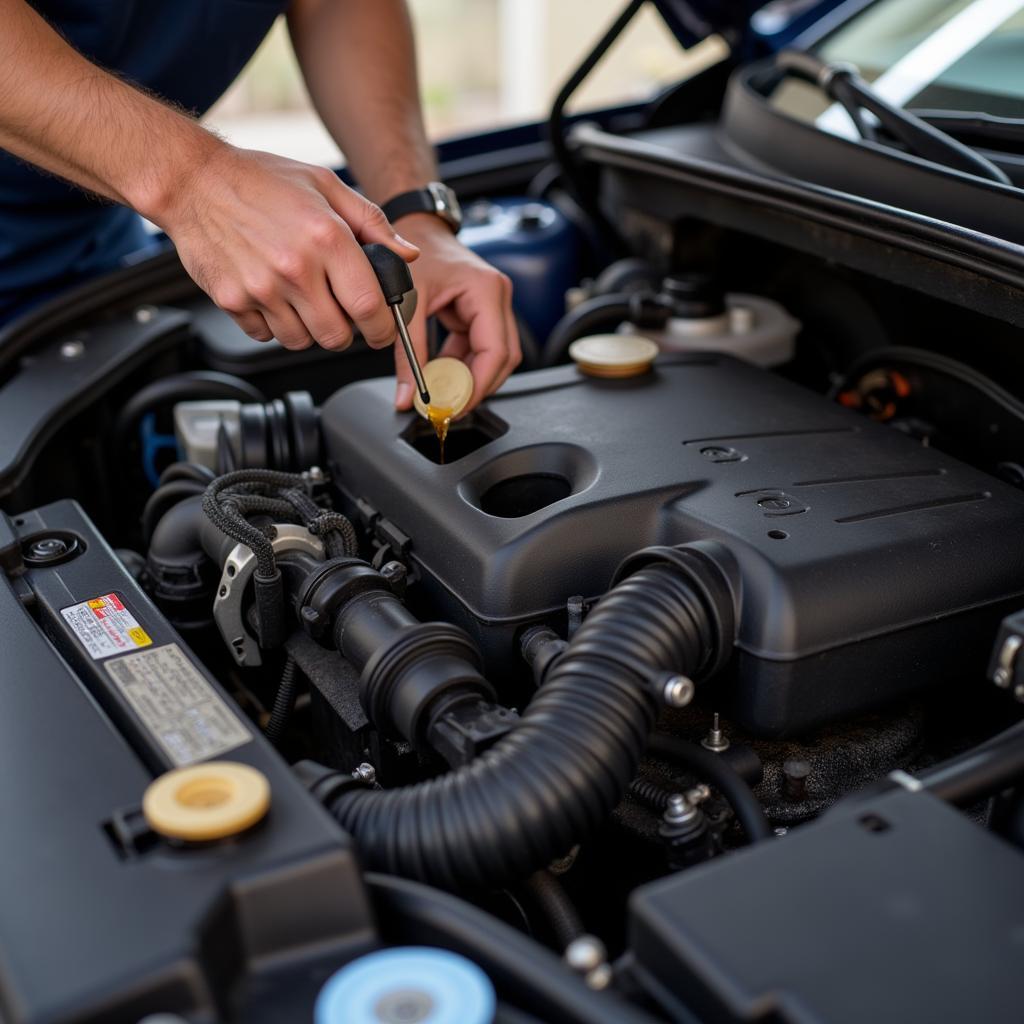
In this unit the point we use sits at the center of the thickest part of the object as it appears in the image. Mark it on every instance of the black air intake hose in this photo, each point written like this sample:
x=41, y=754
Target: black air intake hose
x=554, y=778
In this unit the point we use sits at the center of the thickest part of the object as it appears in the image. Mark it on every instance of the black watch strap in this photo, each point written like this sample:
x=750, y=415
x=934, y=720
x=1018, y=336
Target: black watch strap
x=436, y=198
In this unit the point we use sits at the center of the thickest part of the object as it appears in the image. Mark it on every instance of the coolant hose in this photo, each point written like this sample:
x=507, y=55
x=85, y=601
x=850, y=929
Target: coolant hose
x=714, y=769
x=555, y=777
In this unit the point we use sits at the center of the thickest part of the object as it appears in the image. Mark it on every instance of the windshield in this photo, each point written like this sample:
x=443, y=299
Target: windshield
x=958, y=55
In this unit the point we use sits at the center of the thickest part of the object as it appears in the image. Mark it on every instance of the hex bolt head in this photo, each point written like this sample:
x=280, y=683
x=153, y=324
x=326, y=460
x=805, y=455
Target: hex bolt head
x=365, y=772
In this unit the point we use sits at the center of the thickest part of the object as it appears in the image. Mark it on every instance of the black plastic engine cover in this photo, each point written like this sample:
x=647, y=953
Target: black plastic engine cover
x=864, y=565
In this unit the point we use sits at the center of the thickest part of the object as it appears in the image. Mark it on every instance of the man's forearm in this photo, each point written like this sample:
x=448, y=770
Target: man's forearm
x=359, y=61
x=64, y=114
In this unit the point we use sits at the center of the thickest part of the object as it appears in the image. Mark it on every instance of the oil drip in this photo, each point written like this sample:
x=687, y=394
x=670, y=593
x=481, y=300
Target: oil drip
x=440, y=417
x=451, y=386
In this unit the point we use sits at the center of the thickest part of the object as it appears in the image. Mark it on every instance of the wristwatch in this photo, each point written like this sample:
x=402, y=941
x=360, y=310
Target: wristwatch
x=437, y=198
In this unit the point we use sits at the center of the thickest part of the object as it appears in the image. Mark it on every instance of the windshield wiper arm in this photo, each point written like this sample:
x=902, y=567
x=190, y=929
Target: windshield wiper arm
x=976, y=124
x=843, y=84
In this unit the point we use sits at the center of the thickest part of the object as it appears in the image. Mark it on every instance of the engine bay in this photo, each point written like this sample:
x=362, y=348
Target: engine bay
x=655, y=686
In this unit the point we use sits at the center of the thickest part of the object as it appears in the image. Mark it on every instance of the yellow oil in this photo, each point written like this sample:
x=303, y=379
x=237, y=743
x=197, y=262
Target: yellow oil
x=440, y=417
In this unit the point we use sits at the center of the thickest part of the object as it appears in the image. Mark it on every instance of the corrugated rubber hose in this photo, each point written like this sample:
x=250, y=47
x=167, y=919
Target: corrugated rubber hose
x=554, y=779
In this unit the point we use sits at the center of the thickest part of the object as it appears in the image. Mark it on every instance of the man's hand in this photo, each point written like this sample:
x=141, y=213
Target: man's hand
x=276, y=244
x=470, y=298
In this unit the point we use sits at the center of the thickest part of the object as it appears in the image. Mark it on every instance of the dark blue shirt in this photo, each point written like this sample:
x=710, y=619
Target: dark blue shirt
x=53, y=235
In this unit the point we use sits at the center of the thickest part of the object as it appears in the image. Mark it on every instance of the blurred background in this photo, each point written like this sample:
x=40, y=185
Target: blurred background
x=483, y=64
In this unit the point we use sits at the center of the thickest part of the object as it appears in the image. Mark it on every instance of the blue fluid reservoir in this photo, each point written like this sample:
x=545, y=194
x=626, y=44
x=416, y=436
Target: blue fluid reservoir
x=407, y=985
x=536, y=245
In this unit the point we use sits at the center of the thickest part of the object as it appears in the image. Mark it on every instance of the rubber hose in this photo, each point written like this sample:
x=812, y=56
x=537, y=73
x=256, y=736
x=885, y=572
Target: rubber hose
x=603, y=313
x=550, y=782
x=284, y=702
x=548, y=893
x=709, y=767
x=180, y=387
x=187, y=471
x=162, y=499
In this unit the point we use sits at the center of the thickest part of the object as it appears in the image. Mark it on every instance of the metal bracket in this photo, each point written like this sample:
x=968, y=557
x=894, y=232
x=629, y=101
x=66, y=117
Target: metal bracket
x=238, y=570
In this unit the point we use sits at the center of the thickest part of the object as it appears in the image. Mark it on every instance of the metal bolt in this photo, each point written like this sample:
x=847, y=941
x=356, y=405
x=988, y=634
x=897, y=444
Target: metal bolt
x=677, y=691
x=678, y=809
x=585, y=954
x=366, y=772
x=394, y=572
x=316, y=475
x=144, y=314
x=682, y=807
x=74, y=349
x=716, y=740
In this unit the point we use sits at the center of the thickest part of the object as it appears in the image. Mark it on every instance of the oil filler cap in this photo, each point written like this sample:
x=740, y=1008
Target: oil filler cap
x=450, y=385
x=613, y=355
x=205, y=802
x=407, y=985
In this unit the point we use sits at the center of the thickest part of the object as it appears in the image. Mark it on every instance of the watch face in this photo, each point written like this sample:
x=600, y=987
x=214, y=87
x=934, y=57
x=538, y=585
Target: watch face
x=446, y=204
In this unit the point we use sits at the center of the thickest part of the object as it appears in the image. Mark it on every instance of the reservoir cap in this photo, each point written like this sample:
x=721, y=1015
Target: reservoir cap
x=450, y=385
x=613, y=355
x=407, y=985
x=204, y=802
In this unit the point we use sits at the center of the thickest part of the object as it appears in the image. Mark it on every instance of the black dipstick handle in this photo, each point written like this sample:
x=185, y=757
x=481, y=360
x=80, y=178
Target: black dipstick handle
x=392, y=272
x=395, y=280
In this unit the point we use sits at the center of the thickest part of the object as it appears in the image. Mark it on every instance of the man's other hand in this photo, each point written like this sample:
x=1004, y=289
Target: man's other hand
x=276, y=243
x=470, y=298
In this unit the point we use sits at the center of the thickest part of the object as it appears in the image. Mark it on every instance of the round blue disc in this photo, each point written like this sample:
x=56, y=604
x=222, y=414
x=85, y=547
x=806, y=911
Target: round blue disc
x=407, y=985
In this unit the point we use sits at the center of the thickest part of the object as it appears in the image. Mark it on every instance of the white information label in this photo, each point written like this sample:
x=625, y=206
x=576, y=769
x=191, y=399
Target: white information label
x=105, y=627
x=183, y=712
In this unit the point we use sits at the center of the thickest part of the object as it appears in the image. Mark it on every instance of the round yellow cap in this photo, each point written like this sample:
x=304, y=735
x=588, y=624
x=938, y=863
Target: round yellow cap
x=450, y=385
x=613, y=355
x=214, y=800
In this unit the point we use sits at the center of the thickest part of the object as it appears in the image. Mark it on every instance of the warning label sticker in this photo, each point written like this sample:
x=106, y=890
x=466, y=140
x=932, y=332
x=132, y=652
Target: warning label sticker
x=105, y=627
x=179, y=707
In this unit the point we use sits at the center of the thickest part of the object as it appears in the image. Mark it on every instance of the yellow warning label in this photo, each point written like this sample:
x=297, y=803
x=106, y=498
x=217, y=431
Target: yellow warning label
x=105, y=627
x=139, y=637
